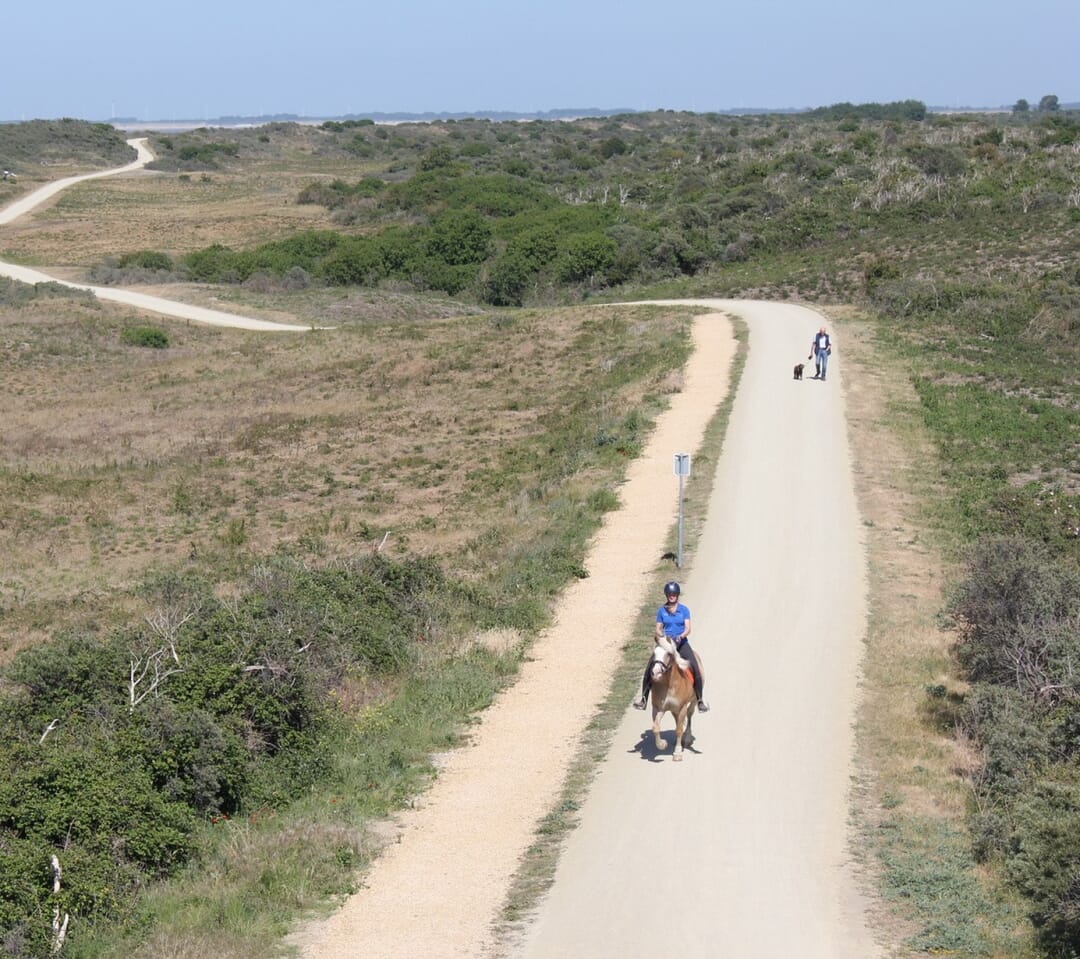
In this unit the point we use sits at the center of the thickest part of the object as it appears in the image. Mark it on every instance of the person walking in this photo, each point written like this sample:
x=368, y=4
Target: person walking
x=820, y=351
x=673, y=621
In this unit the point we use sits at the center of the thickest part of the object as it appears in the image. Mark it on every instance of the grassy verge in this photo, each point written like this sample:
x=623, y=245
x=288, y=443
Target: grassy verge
x=912, y=795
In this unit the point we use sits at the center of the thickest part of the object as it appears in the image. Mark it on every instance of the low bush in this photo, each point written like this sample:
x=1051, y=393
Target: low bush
x=146, y=260
x=1016, y=611
x=14, y=293
x=1044, y=858
x=149, y=336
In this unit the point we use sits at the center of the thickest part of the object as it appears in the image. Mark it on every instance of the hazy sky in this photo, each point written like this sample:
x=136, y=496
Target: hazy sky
x=199, y=59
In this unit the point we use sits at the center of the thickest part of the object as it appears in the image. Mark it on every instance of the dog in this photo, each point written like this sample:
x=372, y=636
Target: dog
x=798, y=371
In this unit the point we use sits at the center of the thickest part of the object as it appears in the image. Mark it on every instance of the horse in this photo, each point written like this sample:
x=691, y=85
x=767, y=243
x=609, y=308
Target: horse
x=672, y=691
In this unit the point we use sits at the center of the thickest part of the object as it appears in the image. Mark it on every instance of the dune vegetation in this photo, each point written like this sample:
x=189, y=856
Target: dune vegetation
x=252, y=584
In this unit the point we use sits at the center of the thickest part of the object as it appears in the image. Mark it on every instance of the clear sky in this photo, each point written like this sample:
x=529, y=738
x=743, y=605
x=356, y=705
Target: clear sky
x=199, y=59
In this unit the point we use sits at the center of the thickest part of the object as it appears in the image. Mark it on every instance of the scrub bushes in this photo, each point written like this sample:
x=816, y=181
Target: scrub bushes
x=1018, y=613
x=117, y=747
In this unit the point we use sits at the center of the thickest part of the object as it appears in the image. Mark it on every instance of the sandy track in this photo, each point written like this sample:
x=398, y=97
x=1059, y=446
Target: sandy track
x=140, y=301
x=754, y=824
x=777, y=591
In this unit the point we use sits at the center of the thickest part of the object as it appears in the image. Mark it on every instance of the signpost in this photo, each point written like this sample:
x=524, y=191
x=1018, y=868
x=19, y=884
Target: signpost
x=682, y=468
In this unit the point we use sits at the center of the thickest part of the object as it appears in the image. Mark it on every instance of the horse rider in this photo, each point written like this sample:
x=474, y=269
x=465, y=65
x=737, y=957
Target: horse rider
x=673, y=621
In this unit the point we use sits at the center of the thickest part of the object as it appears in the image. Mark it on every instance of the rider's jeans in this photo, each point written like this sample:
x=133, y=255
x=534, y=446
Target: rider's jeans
x=822, y=360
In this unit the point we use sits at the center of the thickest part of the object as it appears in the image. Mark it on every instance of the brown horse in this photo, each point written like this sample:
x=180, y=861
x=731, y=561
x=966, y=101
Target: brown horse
x=673, y=692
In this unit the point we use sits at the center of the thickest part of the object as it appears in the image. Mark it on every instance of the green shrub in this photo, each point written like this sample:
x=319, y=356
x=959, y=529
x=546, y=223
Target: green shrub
x=612, y=147
x=476, y=148
x=1044, y=859
x=937, y=160
x=213, y=264
x=115, y=788
x=460, y=237
x=437, y=158
x=149, y=336
x=147, y=260
x=509, y=279
x=1015, y=610
x=358, y=262
x=205, y=154
x=1015, y=745
x=585, y=256
x=535, y=247
x=451, y=278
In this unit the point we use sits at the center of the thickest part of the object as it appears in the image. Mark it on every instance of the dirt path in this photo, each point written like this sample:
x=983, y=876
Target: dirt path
x=141, y=301
x=777, y=591
x=778, y=594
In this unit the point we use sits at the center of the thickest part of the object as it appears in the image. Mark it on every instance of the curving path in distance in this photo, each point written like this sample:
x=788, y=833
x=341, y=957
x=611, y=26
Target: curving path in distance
x=141, y=301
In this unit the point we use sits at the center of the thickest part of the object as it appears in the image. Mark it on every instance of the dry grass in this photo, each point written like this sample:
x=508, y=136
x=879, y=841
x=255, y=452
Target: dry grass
x=909, y=575
x=117, y=459
x=169, y=212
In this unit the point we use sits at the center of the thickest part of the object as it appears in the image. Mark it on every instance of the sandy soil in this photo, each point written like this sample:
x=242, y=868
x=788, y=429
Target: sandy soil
x=750, y=831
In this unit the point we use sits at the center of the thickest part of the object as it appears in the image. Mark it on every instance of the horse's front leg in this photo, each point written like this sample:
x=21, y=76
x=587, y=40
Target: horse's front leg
x=657, y=738
x=680, y=725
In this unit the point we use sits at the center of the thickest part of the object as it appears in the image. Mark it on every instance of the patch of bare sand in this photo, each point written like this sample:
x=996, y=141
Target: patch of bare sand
x=437, y=891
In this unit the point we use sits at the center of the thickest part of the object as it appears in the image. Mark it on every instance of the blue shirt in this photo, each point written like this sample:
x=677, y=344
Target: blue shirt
x=674, y=622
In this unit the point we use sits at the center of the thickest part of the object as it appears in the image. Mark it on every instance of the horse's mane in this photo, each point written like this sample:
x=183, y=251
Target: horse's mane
x=666, y=644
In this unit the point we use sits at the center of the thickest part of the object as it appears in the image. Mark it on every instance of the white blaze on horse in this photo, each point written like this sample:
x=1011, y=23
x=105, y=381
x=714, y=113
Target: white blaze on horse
x=672, y=691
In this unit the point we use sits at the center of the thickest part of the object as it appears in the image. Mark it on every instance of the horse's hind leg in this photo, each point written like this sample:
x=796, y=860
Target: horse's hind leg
x=688, y=736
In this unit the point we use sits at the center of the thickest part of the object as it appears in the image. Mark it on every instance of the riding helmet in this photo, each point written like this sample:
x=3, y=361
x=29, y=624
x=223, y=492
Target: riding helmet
x=672, y=587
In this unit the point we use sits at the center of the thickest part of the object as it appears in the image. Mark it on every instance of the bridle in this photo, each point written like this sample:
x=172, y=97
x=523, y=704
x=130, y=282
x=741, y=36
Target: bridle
x=665, y=664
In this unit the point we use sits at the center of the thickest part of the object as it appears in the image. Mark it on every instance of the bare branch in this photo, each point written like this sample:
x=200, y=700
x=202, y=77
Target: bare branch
x=166, y=623
x=147, y=672
x=49, y=729
x=148, y=669
x=59, y=929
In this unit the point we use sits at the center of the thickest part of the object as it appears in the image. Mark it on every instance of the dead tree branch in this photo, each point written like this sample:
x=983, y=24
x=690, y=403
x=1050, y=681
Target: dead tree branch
x=48, y=729
x=59, y=929
x=149, y=672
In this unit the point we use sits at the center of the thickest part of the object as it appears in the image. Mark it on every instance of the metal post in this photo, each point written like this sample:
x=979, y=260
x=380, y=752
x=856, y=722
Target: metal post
x=682, y=468
x=678, y=558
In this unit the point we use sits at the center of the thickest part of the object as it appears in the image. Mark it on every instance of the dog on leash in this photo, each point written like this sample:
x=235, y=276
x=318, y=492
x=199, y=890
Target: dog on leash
x=798, y=371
